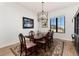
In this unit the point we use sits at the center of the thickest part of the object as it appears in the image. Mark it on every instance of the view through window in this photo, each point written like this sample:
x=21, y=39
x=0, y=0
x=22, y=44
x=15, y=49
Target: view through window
x=57, y=24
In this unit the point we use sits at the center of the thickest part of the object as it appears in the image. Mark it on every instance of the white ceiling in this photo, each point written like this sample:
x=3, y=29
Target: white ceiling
x=48, y=6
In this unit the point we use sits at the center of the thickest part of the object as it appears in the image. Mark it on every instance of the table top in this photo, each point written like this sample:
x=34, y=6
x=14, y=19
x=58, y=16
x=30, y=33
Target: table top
x=39, y=36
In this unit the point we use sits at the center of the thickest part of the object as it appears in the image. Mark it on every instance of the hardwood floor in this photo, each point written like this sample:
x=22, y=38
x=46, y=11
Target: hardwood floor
x=6, y=51
x=69, y=50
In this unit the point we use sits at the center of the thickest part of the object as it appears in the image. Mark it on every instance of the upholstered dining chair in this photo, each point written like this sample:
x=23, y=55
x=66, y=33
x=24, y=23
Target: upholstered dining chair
x=31, y=34
x=22, y=48
x=52, y=35
x=27, y=47
x=43, y=42
x=50, y=38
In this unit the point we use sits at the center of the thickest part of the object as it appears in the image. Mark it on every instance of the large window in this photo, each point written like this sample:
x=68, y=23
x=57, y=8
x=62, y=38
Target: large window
x=57, y=24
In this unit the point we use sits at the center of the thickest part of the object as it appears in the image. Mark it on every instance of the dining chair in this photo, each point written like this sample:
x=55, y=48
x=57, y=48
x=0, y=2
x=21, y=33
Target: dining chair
x=52, y=35
x=31, y=34
x=22, y=48
x=43, y=42
x=50, y=38
x=27, y=47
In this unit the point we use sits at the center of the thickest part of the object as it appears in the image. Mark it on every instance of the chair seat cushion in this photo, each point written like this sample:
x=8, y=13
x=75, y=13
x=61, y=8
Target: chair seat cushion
x=30, y=44
x=27, y=39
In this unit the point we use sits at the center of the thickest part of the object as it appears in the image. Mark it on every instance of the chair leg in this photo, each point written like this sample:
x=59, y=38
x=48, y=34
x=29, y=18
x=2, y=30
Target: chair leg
x=21, y=51
x=36, y=50
x=25, y=52
x=44, y=46
x=48, y=45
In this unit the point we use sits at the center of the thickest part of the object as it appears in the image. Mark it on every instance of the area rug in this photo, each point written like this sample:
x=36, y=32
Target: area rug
x=56, y=49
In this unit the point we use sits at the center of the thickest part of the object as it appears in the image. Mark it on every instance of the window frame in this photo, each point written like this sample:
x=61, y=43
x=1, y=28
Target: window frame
x=57, y=25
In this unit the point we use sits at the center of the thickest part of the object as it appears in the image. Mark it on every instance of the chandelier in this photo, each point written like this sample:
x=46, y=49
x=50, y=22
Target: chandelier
x=43, y=15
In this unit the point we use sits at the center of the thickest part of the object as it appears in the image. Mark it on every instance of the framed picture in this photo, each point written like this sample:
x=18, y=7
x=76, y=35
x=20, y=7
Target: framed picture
x=28, y=23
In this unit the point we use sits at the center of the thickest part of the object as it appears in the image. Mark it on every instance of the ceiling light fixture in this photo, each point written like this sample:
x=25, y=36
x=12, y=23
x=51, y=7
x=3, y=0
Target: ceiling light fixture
x=43, y=15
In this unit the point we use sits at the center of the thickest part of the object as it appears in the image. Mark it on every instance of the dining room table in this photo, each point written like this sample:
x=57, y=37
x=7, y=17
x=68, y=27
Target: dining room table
x=39, y=37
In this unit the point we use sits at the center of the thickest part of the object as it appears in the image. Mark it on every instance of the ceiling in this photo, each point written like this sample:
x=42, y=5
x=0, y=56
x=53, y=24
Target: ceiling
x=48, y=6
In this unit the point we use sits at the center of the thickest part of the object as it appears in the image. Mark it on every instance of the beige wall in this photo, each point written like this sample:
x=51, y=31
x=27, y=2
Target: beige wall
x=11, y=22
x=69, y=13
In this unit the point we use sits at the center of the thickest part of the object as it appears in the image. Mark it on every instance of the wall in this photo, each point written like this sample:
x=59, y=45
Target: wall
x=69, y=13
x=11, y=22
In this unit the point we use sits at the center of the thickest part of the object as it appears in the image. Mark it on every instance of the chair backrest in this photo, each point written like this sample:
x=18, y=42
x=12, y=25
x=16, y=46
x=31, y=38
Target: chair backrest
x=22, y=41
x=46, y=37
x=31, y=34
x=50, y=34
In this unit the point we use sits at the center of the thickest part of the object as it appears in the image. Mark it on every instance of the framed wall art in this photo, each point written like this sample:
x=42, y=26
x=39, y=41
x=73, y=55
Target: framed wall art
x=28, y=23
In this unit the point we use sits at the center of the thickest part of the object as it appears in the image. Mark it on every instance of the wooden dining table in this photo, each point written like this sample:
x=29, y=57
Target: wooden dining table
x=37, y=37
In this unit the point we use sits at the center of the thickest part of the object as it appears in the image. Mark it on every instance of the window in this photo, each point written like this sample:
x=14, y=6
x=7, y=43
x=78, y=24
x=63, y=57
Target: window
x=57, y=24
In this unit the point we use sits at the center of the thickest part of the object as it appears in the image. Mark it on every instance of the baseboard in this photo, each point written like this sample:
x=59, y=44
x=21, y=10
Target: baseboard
x=64, y=39
x=68, y=39
x=11, y=43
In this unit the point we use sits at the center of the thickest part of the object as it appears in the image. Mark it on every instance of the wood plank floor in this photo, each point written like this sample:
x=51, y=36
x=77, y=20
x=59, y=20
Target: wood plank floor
x=69, y=50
